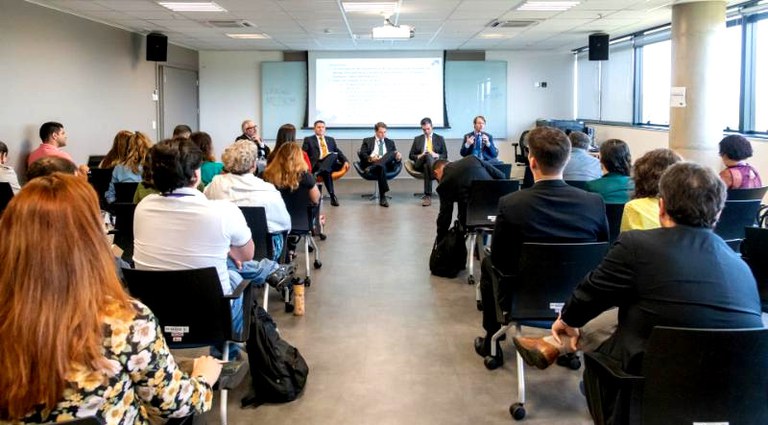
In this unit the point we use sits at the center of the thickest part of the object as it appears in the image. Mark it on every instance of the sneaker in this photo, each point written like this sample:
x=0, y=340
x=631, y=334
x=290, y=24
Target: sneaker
x=280, y=276
x=426, y=201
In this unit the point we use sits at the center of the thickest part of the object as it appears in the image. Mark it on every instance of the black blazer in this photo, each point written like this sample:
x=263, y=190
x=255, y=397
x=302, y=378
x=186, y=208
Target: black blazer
x=438, y=146
x=312, y=147
x=369, y=144
x=263, y=149
x=680, y=276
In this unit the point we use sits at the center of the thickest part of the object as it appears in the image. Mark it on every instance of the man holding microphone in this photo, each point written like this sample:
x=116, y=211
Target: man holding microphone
x=479, y=143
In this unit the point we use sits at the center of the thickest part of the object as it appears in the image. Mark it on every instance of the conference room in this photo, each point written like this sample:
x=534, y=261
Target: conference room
x=385, y=340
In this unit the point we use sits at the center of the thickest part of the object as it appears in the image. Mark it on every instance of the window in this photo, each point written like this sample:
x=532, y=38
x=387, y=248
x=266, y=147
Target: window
x=761, y=76
x=656, y=74
x=604, y=88
x=587, y=88
x=731, y=77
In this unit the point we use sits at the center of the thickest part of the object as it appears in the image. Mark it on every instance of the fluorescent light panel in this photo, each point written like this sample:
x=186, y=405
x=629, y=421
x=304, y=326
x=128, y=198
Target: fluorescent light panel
x=252, y=36
x=385, y=7
x=547, y=6
x=192, y=6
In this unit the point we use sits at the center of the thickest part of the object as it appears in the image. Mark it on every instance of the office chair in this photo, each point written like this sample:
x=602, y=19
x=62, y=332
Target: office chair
x=178, y=297
x=754, y=251
x=746, y=194
x=688, y=376
x=482, y=207
x=6, y=194
x=389, y=173
x=613, y=213
x=302, y=214
x=124, y=191
x=122, y=213
x=99, y=178
x=736, y=215
x=546, y=278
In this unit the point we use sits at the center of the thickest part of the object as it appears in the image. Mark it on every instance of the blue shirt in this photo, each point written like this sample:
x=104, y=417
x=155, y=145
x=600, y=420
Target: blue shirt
x=121, y=174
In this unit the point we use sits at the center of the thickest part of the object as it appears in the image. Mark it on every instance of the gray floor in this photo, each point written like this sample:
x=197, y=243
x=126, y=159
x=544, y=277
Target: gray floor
x=387, y=343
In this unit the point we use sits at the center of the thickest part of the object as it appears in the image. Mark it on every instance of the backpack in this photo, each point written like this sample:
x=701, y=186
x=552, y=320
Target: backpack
x=278, y=370
x=449, y=255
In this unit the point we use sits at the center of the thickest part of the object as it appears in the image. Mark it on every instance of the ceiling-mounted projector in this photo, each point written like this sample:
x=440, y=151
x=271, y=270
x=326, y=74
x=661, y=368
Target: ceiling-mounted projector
x=389, y=31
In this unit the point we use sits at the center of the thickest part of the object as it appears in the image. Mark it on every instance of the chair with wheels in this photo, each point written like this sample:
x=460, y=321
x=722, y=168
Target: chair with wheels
x=390, y=174
x=303, y=215
x=689, y=376
x=613, y=213
x=6, y=194
x=482, y=207
x=547, y=276
x=178, y=297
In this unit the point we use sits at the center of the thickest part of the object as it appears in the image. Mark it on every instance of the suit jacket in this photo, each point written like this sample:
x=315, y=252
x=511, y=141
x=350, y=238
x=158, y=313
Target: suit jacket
x=455, y=187
x=680, y=276
x=486, y=152
x=312, y=147
x=438, y=146
x=369, y=145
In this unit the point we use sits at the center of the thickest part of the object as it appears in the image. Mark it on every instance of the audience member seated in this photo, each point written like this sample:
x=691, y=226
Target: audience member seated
x=454, y=183
x=242, y=187
x=378, y=154
x=53, y=137
x=129, y=168
x=325, y=157
x=287, y=133
x=425, y=150
x=549, y=211
x=118, y=151
x=615, y=185
x=480, y=143
x=735, y=150
x=642, y=212
x=181, y=229
x=251, y=132
x=145, y=187
x=210, y=166
x=581, y=165
x=83, y=347
x=182, y=131
x=7, y=173
x=681, y=275
x=52, y=164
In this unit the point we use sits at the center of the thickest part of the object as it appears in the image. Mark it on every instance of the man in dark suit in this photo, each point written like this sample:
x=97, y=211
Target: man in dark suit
x=454, y=183
x=681, y=274
x=325, y=157
x=427, y=148
x=377, y=155
x=479, y=143
x=549, y=211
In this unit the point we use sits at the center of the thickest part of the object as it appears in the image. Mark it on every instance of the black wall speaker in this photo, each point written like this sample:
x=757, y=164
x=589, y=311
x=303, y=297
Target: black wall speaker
x=157, y=47
x=598, y=47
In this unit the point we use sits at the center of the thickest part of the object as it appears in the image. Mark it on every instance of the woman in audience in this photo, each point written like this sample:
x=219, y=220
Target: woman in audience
x=210, y=167
x=74, y=343
x=146, y=186
x=7, y=173
x=117, y=153
x=735, y=150
x=642, y=212
x=287, y=133
x=615, y=185
x=242, y=187
x=129, y=168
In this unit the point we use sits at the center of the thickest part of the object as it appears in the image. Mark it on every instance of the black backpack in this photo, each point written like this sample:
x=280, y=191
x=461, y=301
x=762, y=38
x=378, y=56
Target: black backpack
x=277, y=369
x=449, y=256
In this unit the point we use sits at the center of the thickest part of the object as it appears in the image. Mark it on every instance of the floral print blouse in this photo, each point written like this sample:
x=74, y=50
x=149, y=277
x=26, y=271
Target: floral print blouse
x=141, y=379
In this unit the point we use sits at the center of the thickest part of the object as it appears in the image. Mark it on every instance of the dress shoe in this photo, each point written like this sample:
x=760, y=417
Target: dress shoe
x=334, y=200
x=281, y=276
x=383, y=201
x=480, y=347
x=536, y=352
x=426, y=201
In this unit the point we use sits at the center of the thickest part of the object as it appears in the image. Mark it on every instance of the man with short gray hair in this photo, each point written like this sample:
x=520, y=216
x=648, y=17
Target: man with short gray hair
x=581, y=166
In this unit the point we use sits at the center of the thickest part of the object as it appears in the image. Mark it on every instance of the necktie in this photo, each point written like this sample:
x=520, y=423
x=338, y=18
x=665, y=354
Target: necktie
x=429, y=144
x=381, y=148
x=323, y=147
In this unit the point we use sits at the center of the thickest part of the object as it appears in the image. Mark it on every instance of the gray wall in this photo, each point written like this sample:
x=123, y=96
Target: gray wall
x=91, y=77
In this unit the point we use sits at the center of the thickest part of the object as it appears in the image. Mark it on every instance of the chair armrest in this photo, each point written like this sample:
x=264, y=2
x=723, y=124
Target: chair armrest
x=244, y=289
x=607, y=366
x=239, y=290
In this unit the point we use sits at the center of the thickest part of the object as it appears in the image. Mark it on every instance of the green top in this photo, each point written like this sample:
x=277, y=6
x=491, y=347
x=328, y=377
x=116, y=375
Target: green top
x=209, y=170
x=142, y=192
x=613, y=187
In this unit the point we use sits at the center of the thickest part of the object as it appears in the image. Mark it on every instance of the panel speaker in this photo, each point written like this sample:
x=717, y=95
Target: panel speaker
x=598, y=47
x=157, y=47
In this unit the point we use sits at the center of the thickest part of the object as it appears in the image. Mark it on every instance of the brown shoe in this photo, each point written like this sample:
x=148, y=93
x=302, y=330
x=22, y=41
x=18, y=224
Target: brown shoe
x=426, y=201
x=536, y=352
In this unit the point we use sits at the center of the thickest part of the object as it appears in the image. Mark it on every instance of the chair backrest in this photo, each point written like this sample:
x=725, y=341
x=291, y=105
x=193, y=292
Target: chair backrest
x=124, y=191
x=123, y=213
x=746, y=194
x=754, y=250
x=189, y=304
x=706, y=376
x=299, y=208
x=99, y=178
x=95, y=160
x=483, y=203
x=548, y=274
x=6, y=194
x=613, y=213
x=505, y=168
x=736, y=215
x=581, y=184
x=256, y=217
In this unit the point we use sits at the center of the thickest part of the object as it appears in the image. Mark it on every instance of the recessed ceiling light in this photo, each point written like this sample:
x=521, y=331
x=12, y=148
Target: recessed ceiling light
x=387, y=8
x=547, y=6
x=188, y=6
x=253, y=36
x=493, y=35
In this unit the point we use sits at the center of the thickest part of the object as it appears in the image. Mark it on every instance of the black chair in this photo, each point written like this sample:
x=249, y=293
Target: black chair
x=546, y=278
x=99, y=178
x=754, y=251
x=124, y=191
x=123, y=212
x=505, y=168
x=581, y=184
x=736, y=215
x=95, y=160
x=6, y=194
x=389, y=173
x=746, y=194
x=302, y=214
x=691, y=376
x=178, y=297
x=613, y=213
x=482, y=207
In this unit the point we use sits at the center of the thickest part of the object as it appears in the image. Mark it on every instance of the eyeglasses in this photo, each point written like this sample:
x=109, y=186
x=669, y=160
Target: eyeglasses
x=253, y=127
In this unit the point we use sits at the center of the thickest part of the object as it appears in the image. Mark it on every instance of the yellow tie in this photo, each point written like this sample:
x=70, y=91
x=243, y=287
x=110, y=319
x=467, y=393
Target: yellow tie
x=429, y=144
x=323, y=147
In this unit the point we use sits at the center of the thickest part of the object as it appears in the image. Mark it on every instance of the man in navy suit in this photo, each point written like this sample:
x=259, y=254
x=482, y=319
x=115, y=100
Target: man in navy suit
x=379, y=154
x=480, y=143
x=325, y=157
x=426, y=149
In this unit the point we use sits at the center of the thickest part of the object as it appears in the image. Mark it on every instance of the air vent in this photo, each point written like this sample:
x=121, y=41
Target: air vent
x=511, y=24
x=231, y=24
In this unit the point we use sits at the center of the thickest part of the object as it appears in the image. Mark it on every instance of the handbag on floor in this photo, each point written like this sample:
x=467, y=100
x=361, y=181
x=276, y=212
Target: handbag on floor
x=449, y=255
x=278, y=371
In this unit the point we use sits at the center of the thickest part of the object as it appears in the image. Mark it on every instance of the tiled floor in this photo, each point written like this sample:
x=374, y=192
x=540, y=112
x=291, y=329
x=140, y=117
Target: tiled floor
x=387, y=343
